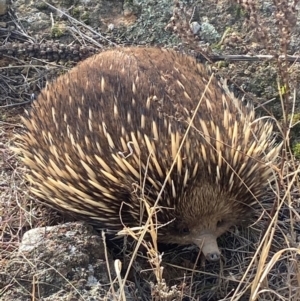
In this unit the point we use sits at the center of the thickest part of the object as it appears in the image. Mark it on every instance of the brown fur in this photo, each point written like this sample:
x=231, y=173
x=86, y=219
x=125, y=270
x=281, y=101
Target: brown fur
x=144, y=98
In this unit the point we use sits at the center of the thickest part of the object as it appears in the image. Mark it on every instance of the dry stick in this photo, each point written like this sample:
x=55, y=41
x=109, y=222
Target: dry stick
x=166, y=180
x=73, y=30
x=251, y=58
x=82, y=24
x=211, y=58
x=22, y=30
x=107, y=262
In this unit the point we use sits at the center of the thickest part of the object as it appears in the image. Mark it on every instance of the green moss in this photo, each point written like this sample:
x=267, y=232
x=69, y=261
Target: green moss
x=219, y=45
x=57, y=31
x=85, y=17
x=296, y=118
x=3, y=116
x=75, y=12
x=222, y=64
x=42, y=6
x=238, y=11
x=296, y=150
x=69, y=3
x=294, y=134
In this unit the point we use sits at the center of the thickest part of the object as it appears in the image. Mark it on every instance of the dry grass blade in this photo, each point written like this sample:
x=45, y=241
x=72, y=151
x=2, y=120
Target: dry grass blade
x=261, y=279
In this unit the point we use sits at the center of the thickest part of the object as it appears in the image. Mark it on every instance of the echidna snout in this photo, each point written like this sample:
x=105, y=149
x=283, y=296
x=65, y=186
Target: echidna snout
x=104, y=136
x=209, y=247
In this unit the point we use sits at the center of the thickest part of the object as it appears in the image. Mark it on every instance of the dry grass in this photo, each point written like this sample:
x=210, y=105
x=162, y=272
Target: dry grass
x=259, y=263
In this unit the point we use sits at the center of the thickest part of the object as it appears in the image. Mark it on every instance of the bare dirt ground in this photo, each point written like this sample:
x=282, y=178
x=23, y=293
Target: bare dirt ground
x=259, y=263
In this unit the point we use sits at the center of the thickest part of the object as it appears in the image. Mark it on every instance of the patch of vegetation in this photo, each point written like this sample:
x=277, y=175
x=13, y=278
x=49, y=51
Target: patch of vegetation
x=42, y=5
x=57, y=31
x=296, y=150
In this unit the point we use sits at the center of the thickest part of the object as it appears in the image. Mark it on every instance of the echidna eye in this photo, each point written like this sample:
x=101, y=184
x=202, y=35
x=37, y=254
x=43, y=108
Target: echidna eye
x=185, y=230
x=221, y=223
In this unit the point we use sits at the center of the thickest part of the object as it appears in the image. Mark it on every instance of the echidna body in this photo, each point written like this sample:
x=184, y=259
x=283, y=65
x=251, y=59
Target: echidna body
x=102, y=138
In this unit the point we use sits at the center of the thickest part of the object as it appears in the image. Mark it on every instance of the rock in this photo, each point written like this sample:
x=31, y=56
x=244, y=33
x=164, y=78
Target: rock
x=58, y=262
x=3, y=7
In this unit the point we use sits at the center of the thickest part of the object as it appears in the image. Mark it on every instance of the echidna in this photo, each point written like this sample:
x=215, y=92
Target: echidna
x=103, y=137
